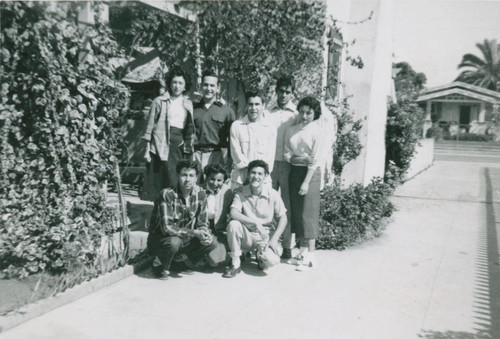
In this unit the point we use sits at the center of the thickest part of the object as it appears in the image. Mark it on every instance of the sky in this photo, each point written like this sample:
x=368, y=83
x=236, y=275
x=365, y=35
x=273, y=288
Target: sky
x=433, y=35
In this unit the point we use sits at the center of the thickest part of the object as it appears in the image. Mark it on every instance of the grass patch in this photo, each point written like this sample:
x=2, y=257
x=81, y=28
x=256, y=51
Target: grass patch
x=16, y=293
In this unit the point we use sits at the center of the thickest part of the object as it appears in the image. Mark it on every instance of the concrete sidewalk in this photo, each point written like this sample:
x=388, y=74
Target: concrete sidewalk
x=430, y=275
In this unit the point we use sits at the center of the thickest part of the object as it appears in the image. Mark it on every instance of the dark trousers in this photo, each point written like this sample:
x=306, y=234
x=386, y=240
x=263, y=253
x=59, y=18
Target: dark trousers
x=174, y=155
x=166, y=247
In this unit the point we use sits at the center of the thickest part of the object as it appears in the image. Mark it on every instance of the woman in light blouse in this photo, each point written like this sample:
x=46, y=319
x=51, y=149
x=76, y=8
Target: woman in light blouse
x=304, y=150
x=169, y=134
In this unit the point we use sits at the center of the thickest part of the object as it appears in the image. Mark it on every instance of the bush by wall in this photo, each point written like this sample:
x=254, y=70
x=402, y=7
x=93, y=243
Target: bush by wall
x=435, y=132
x=60, y=106
x=348, y=215
x=404, y=129
x=469, y=137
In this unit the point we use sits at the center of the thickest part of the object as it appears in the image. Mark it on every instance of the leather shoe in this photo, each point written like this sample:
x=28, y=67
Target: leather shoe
x=231, y=272
x=287, y=254
x=160, y=273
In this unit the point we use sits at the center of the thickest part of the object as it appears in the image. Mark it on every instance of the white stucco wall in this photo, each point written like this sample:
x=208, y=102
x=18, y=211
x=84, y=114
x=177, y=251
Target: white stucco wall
x=369, y=88
x=423, y=158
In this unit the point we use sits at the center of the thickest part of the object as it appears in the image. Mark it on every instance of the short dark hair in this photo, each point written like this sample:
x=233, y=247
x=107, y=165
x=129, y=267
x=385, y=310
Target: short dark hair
x=258, y=163
x=178, y=72
x=215, y=169
x=254, y=94
x=209, y=73
x=184, y=163
x=285, y=80
x=312, y=103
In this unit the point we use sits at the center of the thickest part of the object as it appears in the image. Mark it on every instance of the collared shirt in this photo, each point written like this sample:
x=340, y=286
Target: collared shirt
x=212, y=124
x=283, y=119
x=307, y=140
x=157, y=131
x=251, y=141
x=177, y=216
x=177, y=114
x=218, y=205
x=267, y=207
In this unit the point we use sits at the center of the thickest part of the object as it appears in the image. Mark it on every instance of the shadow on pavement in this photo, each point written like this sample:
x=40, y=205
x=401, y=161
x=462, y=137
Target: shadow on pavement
x=487, y=291
x=492, y=263
x=451, y=335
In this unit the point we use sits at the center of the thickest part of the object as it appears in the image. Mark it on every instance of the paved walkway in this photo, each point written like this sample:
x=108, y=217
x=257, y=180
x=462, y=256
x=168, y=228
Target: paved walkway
x=430, y=275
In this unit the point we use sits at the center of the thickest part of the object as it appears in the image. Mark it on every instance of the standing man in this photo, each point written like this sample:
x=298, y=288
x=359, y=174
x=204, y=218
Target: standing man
x=252, y=137
x=212, y=121
x=258, y=218
x=283, y=114
x=179, y=223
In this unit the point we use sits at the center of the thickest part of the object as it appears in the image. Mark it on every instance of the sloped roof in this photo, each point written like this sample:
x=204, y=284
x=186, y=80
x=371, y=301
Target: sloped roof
x=147, y=66
x=460, y=88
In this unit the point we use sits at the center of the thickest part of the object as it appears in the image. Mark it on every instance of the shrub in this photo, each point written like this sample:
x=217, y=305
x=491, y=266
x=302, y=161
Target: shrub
x=435, y=132
x=470, y=137
x=60, y=106
x=349, y=215
x=404, y=127
x=348, y=146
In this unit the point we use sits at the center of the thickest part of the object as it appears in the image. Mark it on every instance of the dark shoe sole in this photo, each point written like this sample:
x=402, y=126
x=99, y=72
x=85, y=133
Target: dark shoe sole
x=160, y=273
x=231, y=273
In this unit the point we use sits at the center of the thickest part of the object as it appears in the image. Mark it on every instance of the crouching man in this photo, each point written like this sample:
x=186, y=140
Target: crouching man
x=258, y=219
x=179, y=223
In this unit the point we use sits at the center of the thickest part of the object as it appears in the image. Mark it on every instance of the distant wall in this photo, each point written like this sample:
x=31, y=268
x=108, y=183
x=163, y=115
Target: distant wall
x=423, y=158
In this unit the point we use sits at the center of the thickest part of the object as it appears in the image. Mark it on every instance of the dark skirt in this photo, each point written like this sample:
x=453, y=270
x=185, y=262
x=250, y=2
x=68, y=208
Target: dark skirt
x=304, y=208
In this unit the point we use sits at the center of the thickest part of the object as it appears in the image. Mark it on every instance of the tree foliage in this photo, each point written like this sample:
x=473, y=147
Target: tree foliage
x=484, y=70
x=404, y=123
x=408, y=82
x=253, y=40
x=60, y=104
x=348, y=146
x=136, y=24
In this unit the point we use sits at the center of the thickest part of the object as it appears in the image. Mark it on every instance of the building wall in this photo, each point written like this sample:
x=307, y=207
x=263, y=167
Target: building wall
x=422, y=159
x=368, y=89
x=450, y=111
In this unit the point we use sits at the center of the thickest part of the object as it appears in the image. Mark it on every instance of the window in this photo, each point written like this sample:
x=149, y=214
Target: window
x=335, y=46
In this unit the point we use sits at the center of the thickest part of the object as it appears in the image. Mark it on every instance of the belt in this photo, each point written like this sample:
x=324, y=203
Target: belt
x=207, y=148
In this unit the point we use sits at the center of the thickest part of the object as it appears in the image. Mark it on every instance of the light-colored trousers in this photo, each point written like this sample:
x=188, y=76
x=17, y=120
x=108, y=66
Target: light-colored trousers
x=240, y=239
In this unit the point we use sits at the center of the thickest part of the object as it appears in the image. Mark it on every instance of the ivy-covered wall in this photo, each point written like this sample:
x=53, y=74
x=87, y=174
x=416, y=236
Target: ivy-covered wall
x=60, y=106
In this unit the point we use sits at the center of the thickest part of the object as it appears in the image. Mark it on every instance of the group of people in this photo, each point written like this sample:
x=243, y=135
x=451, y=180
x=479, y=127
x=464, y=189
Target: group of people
x=232, y=210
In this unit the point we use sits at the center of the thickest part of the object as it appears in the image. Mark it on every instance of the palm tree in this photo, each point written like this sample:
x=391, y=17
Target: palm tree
x=485, y=71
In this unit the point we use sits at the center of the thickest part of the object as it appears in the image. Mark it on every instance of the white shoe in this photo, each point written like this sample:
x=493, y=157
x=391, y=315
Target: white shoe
x=297, y=260
x=303, y=268
x=307, y=264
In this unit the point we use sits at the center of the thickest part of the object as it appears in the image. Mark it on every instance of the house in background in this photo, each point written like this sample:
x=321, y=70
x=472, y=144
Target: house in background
x=460, y=107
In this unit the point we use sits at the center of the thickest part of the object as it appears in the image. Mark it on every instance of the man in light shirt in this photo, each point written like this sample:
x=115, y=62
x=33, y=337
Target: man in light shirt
x=252, y=137
x=283, y=114
x=258, y=219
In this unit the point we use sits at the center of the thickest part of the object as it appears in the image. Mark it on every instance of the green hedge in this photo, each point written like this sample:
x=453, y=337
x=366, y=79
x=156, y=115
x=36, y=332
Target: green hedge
x=60, y=107
x=349, y=215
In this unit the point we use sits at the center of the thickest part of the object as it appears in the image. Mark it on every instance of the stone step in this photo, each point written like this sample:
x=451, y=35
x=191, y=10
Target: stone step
x=471, y=152
x=493, y=149
x=467, y=144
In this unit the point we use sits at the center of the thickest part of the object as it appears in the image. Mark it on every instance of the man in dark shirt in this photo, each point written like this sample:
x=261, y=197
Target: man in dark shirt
x=212, y=120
